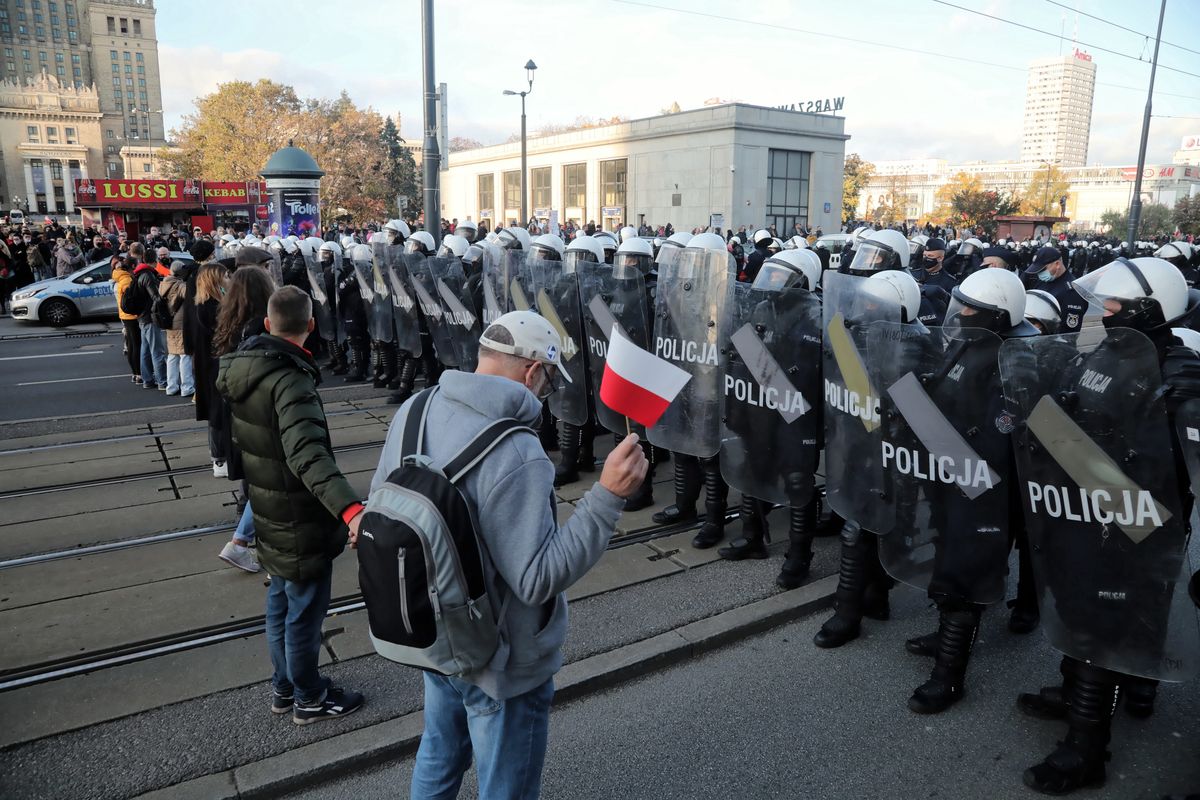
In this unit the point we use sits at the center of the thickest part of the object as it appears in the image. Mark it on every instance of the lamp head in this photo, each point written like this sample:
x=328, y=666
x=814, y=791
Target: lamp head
x=509, y=91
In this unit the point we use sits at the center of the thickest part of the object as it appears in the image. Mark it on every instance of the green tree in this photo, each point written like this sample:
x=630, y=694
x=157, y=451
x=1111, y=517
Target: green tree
x=403, y=180
x=1187, y=215
x=856, y=174
x=1047, y=187
x=1155, y=220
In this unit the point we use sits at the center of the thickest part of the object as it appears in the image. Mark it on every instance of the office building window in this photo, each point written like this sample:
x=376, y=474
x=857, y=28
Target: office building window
x=512, y=190
x=116, y=68
x=8, y=52
x=575, y=186
x=113, y=53
x=51, y=134
x=137, y=27
x=128, y=69
x=110, y=149
x=70, y=134
x=43, y=56
x=145, y=166
x=77, y=71
x=141, y=70
x=787, y=190
x=139, y=57
x=56, y=170
x=112, y=25
x=487, y=194
x=142, y=82
x=61, y=71
x=31, y=133
x=612, y=183
x=72, y=37
x=124, y=25
x=127, y=56
x=59, y=57
x=539, y=179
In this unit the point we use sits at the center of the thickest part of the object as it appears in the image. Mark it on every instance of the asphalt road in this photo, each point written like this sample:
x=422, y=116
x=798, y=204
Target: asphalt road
x=774, y=717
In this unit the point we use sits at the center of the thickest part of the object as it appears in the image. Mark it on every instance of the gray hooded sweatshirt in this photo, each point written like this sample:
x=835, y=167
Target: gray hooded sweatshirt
x=529, y=560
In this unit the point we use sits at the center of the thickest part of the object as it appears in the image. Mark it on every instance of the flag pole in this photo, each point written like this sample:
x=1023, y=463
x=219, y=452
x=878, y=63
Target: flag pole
x=628, y=432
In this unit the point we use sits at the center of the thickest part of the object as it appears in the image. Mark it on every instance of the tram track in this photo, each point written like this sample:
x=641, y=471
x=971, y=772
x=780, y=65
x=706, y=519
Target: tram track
x=106, y=658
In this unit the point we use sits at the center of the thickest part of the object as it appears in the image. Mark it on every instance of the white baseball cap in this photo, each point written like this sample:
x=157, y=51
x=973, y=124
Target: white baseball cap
x=529, y=335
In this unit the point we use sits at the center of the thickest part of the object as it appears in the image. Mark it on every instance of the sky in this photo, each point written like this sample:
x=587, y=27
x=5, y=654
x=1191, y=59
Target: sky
x=921, y=79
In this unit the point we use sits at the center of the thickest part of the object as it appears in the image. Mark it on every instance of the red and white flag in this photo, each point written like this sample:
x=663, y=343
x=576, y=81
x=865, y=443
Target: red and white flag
x=637, y=384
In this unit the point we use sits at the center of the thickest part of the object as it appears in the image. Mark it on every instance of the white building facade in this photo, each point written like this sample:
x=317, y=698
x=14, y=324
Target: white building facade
x=750, y=165
x=1058, y=110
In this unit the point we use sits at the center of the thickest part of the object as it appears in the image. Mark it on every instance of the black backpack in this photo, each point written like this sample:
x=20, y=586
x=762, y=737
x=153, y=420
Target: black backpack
x=420, y=561
x=138, y=297
x=161, y=312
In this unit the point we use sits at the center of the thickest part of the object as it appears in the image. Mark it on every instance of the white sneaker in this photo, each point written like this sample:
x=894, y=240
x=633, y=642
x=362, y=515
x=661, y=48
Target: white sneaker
x=240, y=557
x=220, y=469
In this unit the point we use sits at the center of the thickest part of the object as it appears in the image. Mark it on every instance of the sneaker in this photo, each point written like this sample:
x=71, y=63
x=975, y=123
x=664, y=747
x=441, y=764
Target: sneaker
x=220, y=469
x=337, y=703
x=172, y=394
x=281, y=704
x=149, y=386
x=241, y=557
x=162, y=387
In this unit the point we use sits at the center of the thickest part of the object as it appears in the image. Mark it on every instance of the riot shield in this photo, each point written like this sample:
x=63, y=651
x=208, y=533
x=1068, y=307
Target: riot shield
x=611, y=299
x=420, y=274
x=944, y=451
x=1187, y=428
x=771, y=418
x=275, y=267
x=461, y=322
x=518, y=274
x=1101, y=497
x=691, y=309
x=322, y=308
x=555, y=295
x=494, y=280
x=854, y=483
x=405, y=313
x=382, y=324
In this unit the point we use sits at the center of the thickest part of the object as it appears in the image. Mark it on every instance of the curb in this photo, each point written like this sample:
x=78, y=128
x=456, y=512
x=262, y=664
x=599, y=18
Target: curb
x=360, y=749
x=55, y=333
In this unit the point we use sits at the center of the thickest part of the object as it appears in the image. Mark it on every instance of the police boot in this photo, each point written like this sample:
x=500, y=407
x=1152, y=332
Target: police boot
x=956, y=636
x=879, y=585
x=716, y=491
x=385, y=371
x=337, y=358
x=1024, y=617
x=754, y=530
x=1078, y=761
x=924, y=645
x=832, y=524
x=1139, y=694
x=548, y=430
x=358, y=364
x=687, y=492
x=377, y=367
x=846, y=622
x=404, y=381
x=801, y=522
x=567, y=470
x=1049, y=702
x=644, y=496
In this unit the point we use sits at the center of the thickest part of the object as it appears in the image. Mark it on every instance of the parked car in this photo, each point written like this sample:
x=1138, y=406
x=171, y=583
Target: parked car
x=85, y=293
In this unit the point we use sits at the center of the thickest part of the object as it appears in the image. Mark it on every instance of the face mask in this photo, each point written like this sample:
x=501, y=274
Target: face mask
x=930, y=263
x=165, y=261
x=1045, y=276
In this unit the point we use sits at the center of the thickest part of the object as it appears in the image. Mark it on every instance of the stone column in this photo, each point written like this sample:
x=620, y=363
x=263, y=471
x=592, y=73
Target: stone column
x=51, y=203
x=83, y=168
x=68, y=187
x=29, y=192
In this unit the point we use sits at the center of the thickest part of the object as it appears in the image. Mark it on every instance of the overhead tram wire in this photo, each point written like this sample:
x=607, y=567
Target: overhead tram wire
x=1115, y=25
x=1061, y=37
x=859, y=41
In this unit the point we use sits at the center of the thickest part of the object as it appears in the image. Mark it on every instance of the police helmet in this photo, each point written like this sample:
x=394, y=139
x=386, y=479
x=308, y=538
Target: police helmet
x=789, y=269
x=1043, y=311
x=514, y=238
x=584, y=248
x=993, y=299
x=708, y=241
x=453, y=246
x=467, y=229
x=1189, y=337
x=347, y=241
x=333, y=248
x=361, y=253
x=896, y=287
x=627, y=233
x=773, y=246
x=1143, y=293
x=970, y=246
x=862, y=232
x=547, y=247
x=762, y=236
x=398, y=229
x=881, y=250
x=633, y=254
x=420, y=242
x=1178, y=253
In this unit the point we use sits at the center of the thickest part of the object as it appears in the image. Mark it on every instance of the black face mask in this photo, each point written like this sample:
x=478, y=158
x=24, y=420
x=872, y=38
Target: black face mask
x=165, y=261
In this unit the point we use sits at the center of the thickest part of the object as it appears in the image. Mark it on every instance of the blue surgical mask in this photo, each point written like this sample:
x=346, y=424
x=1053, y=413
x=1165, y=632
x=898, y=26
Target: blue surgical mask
x=1045, y=276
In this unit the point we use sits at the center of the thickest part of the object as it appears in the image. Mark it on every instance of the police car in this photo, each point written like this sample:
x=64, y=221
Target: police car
x=89, y=292
x=834, y=243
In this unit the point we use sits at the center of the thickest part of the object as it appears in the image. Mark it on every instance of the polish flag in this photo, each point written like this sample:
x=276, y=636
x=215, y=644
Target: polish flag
x=637, y=384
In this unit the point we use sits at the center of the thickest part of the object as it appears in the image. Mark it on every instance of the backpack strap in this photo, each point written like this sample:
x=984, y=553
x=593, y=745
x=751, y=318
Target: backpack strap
x=414, y=424
x=477, y=449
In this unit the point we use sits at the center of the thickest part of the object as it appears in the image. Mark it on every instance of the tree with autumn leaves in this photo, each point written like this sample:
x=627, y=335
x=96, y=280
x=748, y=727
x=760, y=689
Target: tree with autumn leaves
x=963, y=203
x=234, y=130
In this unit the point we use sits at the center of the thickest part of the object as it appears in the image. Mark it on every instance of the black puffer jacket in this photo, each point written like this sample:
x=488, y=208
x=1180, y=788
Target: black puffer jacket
x=296, y=489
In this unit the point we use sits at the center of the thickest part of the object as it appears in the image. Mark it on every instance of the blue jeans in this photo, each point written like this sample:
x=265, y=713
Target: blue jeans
x=244, y=535
x=180, y=377
x=295, y=611
x=507, y=738
x=154, y=354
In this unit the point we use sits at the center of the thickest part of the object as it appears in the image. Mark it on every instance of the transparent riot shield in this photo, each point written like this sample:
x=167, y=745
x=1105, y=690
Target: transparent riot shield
x=1101, y=497
x=275, y=267
x=854, y=483
x=420, y=274
x=611, y=298
x=323, y=311
x=461, y=322
x=1187, y=429
x=361, y=261
x=405, y=311
x=518, y=272
x=944, y=449
x=554, y=291
x=494, y=281
x=691, y=309
x=382, y=324
x=771, y=418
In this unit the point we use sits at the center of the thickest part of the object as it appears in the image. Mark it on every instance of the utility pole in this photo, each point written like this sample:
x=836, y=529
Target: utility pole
x=1135, y=208
x=430, y=157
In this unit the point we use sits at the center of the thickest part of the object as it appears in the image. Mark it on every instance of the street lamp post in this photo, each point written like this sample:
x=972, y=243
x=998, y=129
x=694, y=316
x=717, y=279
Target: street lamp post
x=529, y=68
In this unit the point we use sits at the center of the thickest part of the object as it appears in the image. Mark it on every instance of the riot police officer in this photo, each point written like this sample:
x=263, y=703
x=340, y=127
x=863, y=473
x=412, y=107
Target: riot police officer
x=351, y=310
x=931, y=263
x=1183, y=256
x=1049, y=273
x=763, y=241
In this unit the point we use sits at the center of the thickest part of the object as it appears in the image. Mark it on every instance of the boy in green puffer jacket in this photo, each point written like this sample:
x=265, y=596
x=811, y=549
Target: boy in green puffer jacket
x=301, y=501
